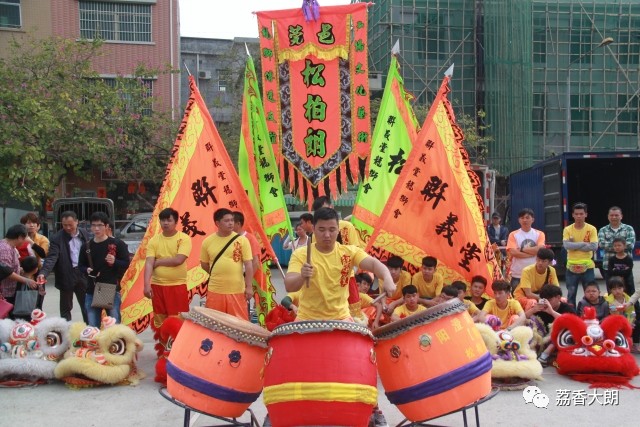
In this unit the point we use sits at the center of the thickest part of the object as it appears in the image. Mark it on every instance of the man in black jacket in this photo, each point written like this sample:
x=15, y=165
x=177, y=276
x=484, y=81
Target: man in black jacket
x=62, y=259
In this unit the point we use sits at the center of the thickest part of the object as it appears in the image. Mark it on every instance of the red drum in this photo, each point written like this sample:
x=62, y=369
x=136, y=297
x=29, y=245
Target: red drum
x=320, y=373
x=216, y=362
x=433, y=362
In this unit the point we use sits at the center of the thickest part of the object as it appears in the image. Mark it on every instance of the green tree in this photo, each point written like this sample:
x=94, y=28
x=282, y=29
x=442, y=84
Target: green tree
x=57, y=115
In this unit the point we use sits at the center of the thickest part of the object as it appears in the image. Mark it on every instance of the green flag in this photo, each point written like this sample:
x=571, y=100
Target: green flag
x=393, y=136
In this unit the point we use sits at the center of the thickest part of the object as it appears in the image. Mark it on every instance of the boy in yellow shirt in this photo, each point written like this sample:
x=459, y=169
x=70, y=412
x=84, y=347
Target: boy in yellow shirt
x=534, y=277
x=401, y=278
x=410, y=306
x=473, y=311
x=508, y=311
x=427, y=281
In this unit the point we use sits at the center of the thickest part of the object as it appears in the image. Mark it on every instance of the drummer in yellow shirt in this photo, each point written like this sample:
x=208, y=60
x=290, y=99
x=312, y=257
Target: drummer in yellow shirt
x=325, y=297
x=509, y=311
x=410, y=306
x=428, y=282
x=534, y=277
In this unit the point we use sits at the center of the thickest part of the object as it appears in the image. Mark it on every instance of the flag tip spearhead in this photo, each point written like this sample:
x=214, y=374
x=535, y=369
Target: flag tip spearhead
x=396, y=48
x=247, y=48
x=449, y=71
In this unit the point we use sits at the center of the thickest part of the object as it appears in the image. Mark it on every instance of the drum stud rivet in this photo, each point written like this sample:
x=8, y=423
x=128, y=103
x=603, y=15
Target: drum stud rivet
x=425, y=342
x=205, y=346
x=234, y=358
x=395, y=352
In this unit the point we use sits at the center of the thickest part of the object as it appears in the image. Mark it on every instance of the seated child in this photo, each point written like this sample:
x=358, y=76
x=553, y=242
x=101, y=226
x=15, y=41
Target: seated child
x=410, y=306
x=472, y=309
x=508, y=311
x=371, y=311
x=478, y=285
x=618, y=300
x=428, y=282
x=533, y=277
x=400, y=277
x=549, y=308
x=593, y=299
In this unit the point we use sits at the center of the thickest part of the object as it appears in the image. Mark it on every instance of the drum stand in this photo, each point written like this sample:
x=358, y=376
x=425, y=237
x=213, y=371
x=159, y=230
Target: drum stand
x=474, y=405
x=187, y=413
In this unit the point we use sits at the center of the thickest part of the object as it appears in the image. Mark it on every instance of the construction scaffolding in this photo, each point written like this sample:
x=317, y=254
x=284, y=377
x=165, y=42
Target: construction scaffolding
x=534, y=66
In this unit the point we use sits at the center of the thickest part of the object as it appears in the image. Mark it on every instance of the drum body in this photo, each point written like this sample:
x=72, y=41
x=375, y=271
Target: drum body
x=433, y=362
x=216, y=361
x=320, y=373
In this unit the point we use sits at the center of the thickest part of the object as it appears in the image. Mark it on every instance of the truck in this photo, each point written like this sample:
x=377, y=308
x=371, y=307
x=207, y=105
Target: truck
x=600, y=179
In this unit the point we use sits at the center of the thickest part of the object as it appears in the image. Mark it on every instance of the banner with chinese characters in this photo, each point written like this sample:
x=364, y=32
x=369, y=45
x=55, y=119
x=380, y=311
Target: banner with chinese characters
x=393, y=136
x=433, y=210
x=260, y=177
x=200, y=178
x=316, y=96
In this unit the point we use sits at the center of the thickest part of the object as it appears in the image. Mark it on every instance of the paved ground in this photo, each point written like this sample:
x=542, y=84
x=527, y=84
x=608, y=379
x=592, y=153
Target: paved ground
x=55, y=405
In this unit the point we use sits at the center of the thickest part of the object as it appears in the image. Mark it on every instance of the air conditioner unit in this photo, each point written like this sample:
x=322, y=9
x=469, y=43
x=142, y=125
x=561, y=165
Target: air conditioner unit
x=204, y=75
x=375, y=80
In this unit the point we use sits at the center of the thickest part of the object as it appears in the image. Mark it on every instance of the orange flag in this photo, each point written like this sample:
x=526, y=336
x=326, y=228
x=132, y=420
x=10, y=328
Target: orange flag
x=200, y=178
x=434, y=194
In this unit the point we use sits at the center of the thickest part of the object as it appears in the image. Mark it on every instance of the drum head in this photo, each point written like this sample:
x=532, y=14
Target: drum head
x=315, y=326
x=231, y=326
x=431, y=314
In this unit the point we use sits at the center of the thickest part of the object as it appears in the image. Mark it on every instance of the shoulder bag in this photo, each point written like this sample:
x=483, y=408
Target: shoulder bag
x=104, y=294
x=26, y=300
x=221, y=252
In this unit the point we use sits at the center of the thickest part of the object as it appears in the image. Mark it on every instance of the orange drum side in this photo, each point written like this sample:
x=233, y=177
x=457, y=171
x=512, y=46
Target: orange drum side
x=213, y=373
x=318, y=375
x=433, y=363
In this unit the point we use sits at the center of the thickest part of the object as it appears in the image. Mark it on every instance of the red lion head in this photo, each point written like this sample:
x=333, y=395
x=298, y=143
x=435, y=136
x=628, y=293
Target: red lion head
x=594, y=352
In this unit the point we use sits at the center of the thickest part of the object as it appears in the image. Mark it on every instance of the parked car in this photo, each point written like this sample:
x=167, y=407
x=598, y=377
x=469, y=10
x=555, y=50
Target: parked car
x=133, y=230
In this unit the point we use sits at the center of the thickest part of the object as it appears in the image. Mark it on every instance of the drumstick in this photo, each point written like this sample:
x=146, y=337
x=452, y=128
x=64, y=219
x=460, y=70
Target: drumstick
x=378, y=298
x=310, y=240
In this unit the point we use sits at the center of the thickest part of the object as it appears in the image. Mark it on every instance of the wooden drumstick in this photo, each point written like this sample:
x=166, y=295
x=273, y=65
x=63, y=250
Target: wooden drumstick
x=309, y=241
x=378, y=298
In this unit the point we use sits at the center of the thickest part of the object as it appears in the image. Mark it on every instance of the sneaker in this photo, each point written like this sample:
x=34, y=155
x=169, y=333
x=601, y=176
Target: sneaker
x=378, y=419
x=266, y=422
x=544, y=360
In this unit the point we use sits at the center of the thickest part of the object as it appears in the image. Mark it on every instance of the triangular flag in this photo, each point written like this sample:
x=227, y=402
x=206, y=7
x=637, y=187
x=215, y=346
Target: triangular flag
x=200, y=178
x=393, y=136
x=432, y=209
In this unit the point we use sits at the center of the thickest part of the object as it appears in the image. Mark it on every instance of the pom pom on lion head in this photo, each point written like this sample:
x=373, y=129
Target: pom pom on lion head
x=106, y=356
x=513, y=359
x=594, y=352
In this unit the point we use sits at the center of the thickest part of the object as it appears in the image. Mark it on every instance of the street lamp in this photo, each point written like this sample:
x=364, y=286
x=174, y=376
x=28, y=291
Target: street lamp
x=606, y=41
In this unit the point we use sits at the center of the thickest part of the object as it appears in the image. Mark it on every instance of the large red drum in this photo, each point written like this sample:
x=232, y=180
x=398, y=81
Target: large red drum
x=320, y=373
x=216, y=362
x=433, y=362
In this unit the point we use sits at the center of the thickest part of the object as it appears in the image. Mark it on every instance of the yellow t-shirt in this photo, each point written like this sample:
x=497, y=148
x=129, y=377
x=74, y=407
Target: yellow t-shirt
x=404, y=280
x=349, y=234
x=427, y=289
x=471, y=307
x=513, y=307
x=295, y=297
x=402, y=311
x=587, y=234
x=628, y=312
x=533, y=280
x=159, y=247
x=226, y=277
x=365, y=300
x=328, y=291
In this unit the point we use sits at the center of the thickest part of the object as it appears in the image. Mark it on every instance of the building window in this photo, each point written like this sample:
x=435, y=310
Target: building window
x=537, y=113
x=628, y=115
x=148, y=83
x=581, y=38
x=224, y=77
x=10, y=14
x=123, y=22
x=581, y=113
x=436, y=36
x=539, y=39
x=628, y=41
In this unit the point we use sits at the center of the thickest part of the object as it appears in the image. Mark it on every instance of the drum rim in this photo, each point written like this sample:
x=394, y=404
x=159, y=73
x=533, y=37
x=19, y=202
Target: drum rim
x=436, y=312
x=315, y=326
x=199, y=316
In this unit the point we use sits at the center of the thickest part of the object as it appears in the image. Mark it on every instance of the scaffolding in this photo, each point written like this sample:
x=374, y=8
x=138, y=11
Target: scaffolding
x=532, y=65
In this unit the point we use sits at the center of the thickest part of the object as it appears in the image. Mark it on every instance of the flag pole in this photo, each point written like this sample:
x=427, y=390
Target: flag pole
x=187, y=68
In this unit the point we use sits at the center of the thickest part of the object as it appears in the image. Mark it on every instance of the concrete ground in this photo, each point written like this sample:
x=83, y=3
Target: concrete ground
x=54, y=405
